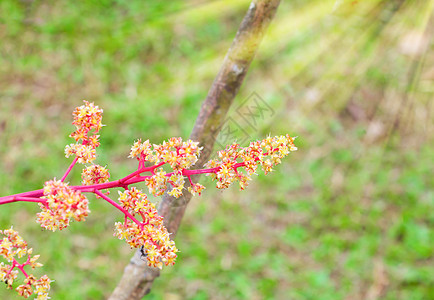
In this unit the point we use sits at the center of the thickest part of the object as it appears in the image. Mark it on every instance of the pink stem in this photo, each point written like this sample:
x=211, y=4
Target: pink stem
x=21, y=268
x=141, y=170
x=126, y=213
x=69, y=169
x=189, y=179
x=124, y=182
x=14, y=264
x=22, y=199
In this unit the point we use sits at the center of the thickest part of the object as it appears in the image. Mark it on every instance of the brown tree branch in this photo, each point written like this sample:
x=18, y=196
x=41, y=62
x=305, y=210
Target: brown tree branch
x=138, y=277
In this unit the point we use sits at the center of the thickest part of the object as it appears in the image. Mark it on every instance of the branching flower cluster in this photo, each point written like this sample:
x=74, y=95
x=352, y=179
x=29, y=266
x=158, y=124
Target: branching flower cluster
x=13, y=248
x=87, y=117
x=266, y=153
x=62, y=203
x=149, y=233
x=162, y=167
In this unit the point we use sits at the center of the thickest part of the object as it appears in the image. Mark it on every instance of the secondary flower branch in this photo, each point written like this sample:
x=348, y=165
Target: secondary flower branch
x=13, y=248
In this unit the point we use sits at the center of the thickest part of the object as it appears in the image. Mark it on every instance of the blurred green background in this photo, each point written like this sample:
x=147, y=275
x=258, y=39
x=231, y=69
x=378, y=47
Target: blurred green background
x=348, y=216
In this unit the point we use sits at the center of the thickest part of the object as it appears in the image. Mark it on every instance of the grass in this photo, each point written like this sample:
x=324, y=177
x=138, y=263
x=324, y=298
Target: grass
x=348, y=216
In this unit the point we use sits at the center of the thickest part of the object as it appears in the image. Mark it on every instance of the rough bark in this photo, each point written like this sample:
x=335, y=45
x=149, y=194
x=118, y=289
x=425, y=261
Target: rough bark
x=138, y=278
